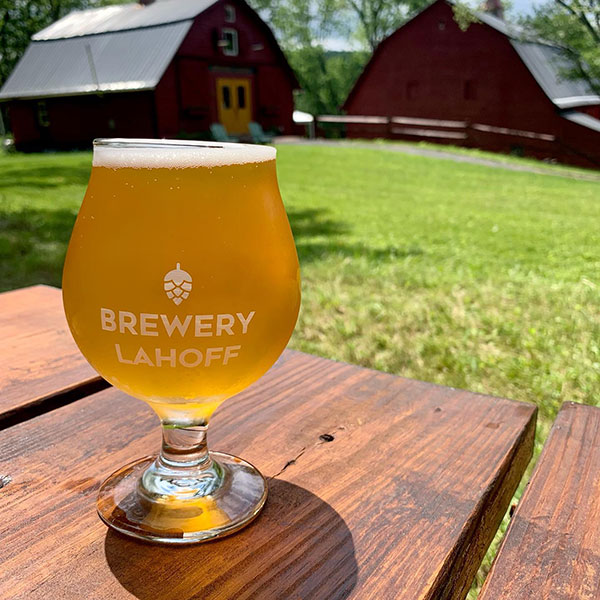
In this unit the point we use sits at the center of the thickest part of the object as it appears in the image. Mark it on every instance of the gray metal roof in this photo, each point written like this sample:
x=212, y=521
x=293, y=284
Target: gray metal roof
x=107, y=49
x=108, y=62
x=547, y=63
x=582, y=119
x=122, y=17
x=511, y=30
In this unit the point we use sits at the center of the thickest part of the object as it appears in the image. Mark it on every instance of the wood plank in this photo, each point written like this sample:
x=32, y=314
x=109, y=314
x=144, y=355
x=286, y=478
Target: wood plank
x=551, y=550
x=40, y=365
x=401, y=503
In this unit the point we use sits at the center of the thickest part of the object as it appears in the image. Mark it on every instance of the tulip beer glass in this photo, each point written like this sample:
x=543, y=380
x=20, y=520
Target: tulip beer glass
x=181, y=288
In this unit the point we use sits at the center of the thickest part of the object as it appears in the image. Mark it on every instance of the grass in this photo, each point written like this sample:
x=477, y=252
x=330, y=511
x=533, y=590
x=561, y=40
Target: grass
x=506, y=159
x=459, y=274
x=39, y=199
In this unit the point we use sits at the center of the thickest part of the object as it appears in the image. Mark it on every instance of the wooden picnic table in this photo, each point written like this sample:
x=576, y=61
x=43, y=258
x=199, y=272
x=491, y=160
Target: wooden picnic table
x=551, y=549
x=380, y=487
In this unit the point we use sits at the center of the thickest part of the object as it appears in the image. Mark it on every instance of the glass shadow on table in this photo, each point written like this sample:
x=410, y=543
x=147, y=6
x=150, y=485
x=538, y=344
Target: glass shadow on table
x=298, y=548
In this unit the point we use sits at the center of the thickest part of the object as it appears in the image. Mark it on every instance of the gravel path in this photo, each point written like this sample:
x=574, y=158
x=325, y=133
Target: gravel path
x=461, y=158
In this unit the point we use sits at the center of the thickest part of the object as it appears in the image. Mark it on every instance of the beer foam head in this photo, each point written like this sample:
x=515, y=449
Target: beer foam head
x=119, y=153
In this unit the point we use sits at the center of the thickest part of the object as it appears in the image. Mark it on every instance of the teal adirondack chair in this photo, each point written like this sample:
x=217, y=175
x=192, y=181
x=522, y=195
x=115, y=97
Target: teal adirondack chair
x=220, y=134
x=257, y=134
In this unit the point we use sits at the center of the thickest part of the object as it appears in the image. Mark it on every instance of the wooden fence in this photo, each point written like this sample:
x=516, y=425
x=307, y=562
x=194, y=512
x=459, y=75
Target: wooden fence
x=436, y=129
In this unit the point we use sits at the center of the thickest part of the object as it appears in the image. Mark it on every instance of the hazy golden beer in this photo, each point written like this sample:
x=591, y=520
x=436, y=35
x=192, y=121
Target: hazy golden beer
x=181, y=282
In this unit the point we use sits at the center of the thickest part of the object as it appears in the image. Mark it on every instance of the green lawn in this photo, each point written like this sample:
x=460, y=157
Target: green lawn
x=463, y=275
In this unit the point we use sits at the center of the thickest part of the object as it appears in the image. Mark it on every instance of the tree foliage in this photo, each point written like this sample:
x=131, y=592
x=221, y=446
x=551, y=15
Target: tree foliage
x=379, y=18
x=325, y=77
x=574, y=24
x=304, y=28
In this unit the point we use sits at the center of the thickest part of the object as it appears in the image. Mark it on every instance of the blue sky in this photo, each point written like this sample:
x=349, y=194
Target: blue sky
x=523, y=7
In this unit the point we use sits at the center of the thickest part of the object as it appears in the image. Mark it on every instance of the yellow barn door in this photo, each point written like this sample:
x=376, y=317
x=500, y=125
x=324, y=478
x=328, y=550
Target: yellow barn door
x=234, y=103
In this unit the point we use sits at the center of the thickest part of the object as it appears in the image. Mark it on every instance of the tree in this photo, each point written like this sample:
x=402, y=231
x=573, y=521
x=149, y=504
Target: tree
x=20, y=19
x=574, y=24
x=304, y=27
x=380, y=18
x=325, y=77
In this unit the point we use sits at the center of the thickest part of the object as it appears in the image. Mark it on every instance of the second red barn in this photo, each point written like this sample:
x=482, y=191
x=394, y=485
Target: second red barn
x=492, y=86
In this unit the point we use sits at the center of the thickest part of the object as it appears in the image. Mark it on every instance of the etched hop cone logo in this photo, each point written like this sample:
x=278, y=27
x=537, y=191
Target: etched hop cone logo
x=178, y=284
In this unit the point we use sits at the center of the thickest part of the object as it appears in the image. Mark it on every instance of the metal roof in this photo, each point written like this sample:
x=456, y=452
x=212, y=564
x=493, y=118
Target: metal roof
x=122, y=17
x=582, y=119
x=547, y=63
x=107, y=62
x=106, y=49
x=511, y=30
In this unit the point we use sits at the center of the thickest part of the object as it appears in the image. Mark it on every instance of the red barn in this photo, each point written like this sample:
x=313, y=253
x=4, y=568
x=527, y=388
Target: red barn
x=156, y=69
x=489, y=87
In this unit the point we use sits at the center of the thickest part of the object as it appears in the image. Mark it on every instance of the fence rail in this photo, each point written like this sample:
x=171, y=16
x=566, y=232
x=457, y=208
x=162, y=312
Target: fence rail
x=432, y=128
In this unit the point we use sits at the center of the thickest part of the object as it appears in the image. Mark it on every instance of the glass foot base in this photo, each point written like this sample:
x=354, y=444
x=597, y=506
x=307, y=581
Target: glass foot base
x=169, y=519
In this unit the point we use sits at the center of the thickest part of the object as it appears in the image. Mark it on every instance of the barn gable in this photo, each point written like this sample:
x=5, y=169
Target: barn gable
x=545, y=61
x=109, y=49
x=490, y=87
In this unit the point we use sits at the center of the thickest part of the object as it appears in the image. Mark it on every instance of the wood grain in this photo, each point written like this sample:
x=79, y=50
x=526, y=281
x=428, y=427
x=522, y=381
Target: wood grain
x=40, y=365
x=401, y=503
x=551, y=550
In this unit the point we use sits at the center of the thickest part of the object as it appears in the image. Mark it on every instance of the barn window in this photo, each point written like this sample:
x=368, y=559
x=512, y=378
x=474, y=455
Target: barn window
x=229, y=13
x=226, y=97
x=43, y=118
x=470, y=90
x=441, y=24
x=241, y=96
x=412, y=90
x=229, y=41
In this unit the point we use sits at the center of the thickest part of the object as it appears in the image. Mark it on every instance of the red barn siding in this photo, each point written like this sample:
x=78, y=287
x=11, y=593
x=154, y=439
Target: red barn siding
x=200, y=40
x=199, y=61
x=431, y=69
x=275, y=99
x=23, y=122
x=167, y=103
x=75, y=121
x=593, y=111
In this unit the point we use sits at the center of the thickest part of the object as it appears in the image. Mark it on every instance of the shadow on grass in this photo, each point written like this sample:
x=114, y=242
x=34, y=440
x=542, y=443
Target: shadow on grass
x=33, y=243
x=315, y=223
x=45, y=177
x=313, y=252
x=312, y=222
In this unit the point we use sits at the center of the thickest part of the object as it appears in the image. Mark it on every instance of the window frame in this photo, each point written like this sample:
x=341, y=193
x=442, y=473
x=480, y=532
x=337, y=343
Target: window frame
x=42, y=115
x=226, y=97
x=241, y=95
x=235, y=47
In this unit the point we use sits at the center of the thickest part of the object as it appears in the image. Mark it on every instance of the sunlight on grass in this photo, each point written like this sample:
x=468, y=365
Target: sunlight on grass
x=458, y=274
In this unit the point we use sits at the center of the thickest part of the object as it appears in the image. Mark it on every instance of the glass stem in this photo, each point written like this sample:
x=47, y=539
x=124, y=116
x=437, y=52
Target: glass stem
x=184, y=469
x=184, y=447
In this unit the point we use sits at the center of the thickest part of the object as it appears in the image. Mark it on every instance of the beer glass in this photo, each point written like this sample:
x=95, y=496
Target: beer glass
x=181, y=288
